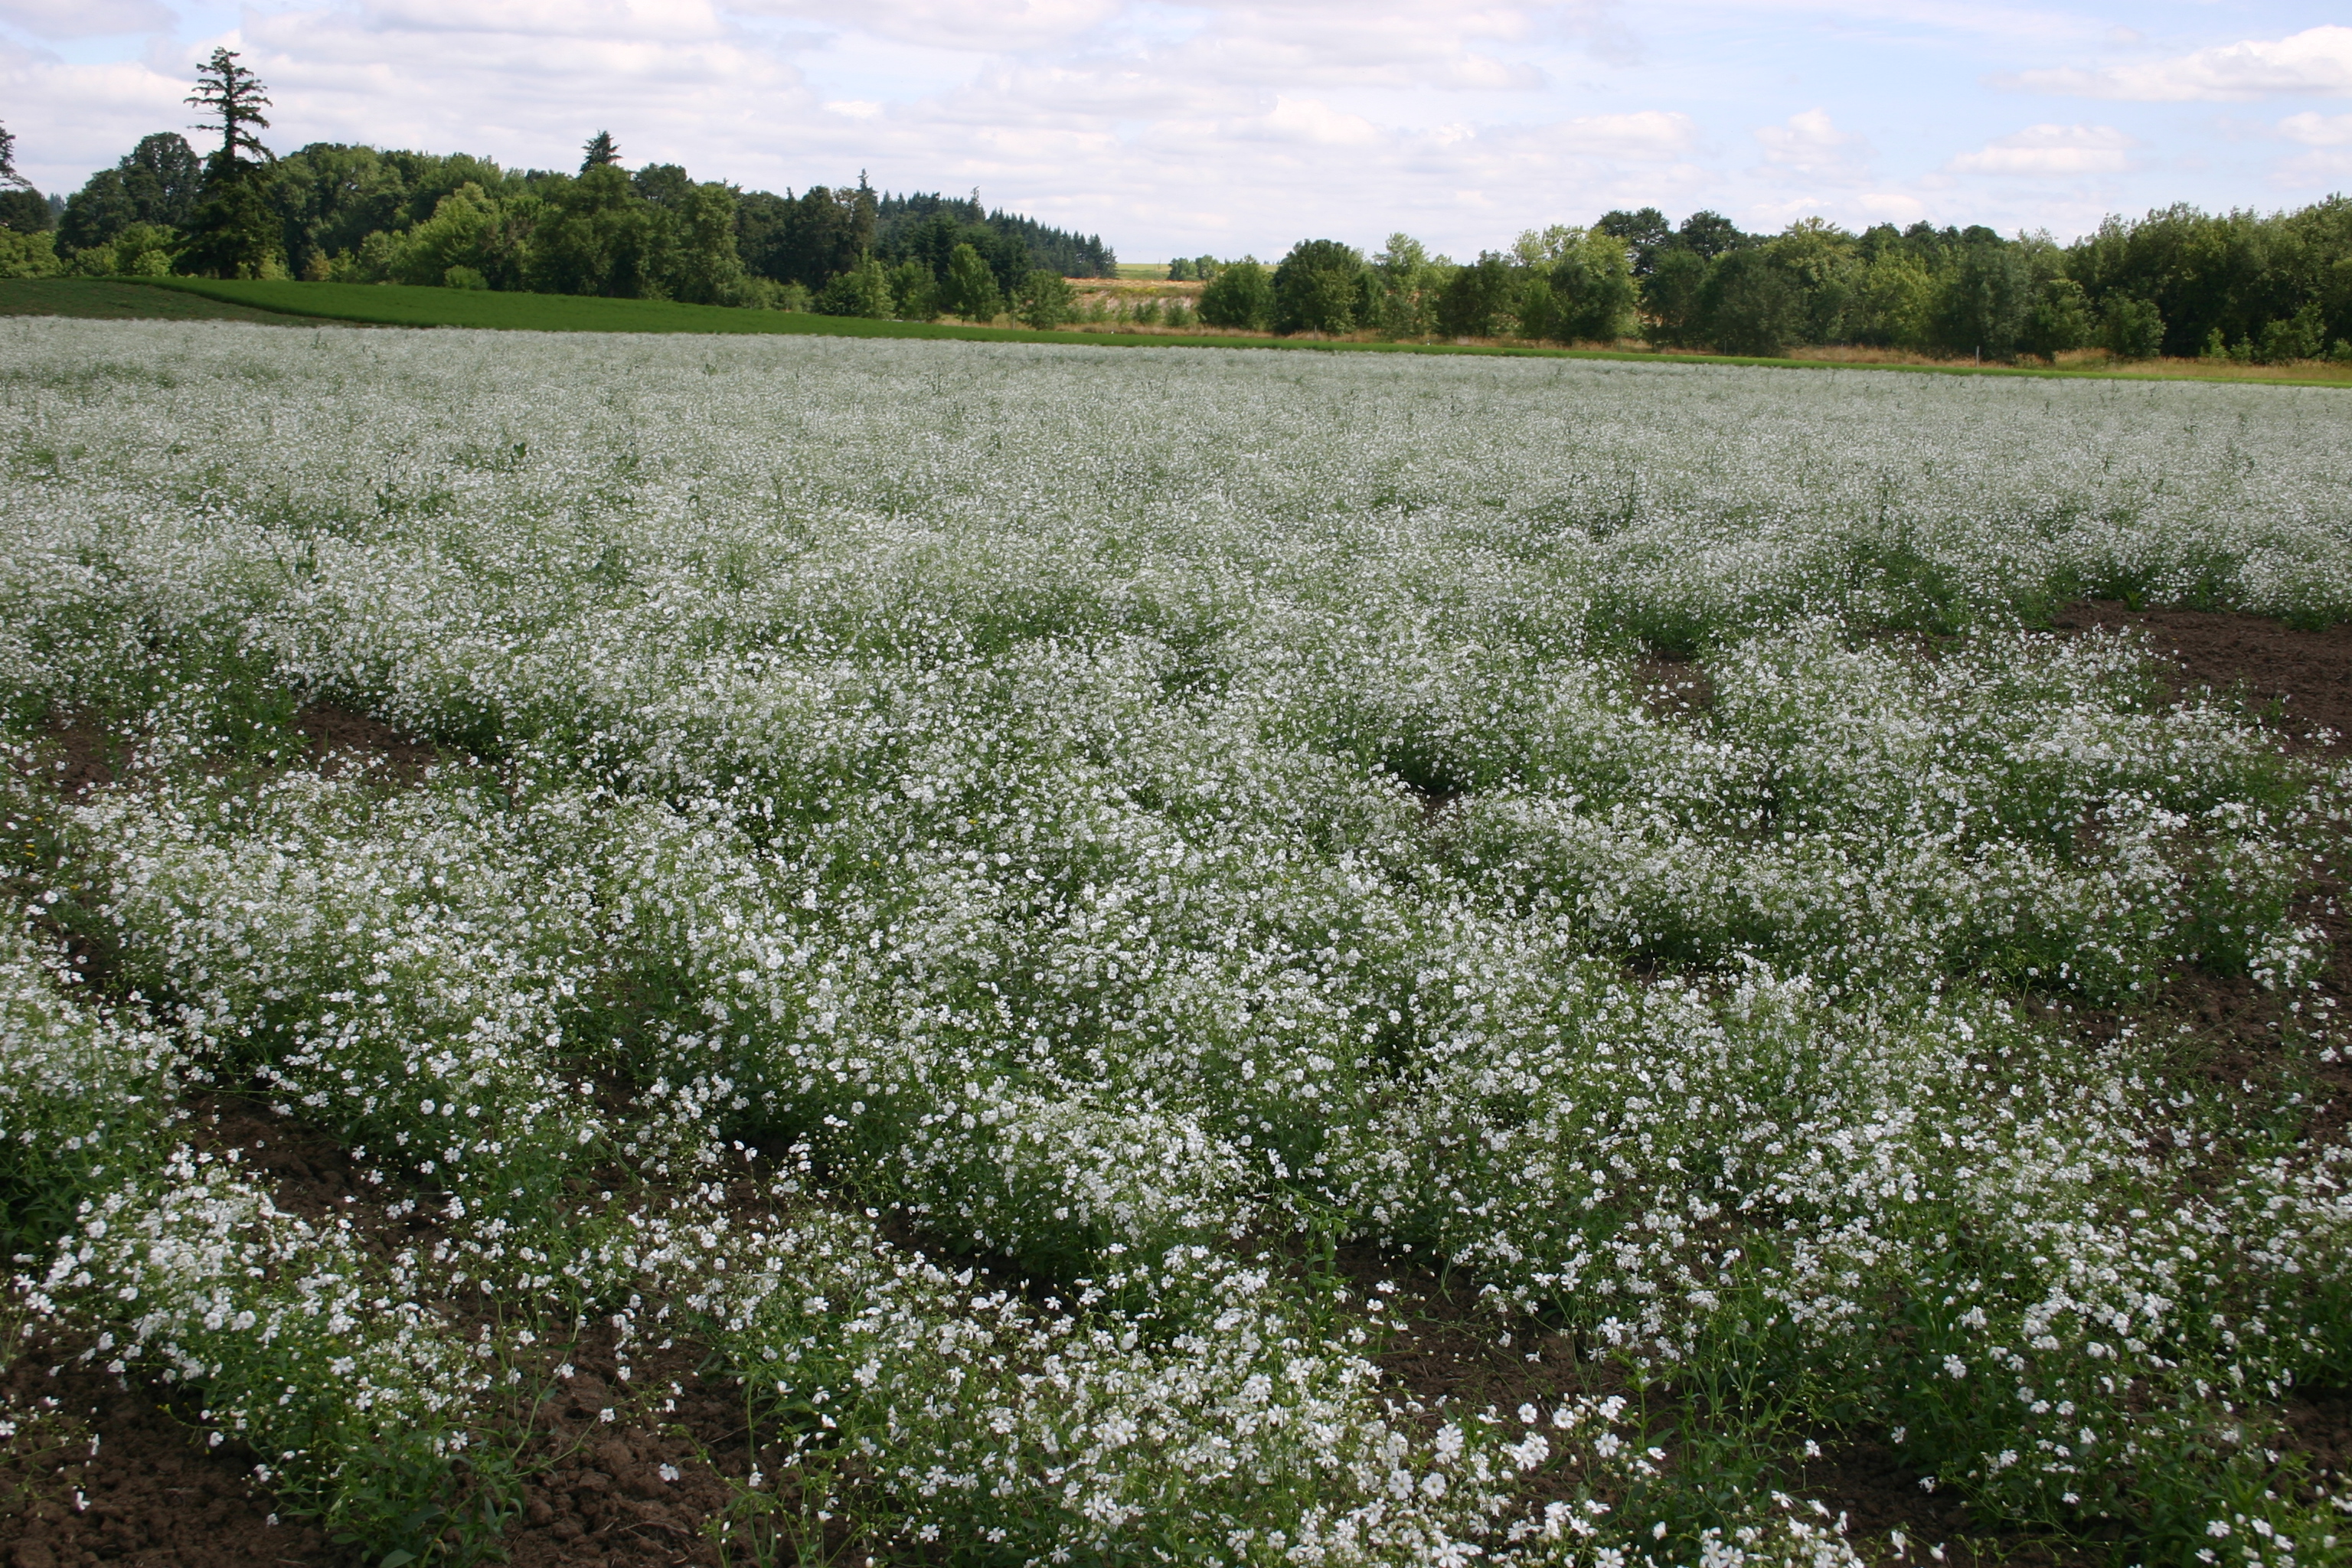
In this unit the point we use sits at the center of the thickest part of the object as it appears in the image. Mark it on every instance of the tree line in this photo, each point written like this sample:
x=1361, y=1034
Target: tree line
x=2261, y=286
x=2244, y=286
x=356, y=214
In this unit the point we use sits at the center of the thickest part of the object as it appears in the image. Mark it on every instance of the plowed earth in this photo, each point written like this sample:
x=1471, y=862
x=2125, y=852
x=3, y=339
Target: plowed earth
x=633, y=1474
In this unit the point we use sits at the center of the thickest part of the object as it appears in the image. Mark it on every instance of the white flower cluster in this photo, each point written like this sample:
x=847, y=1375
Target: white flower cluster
x=313, y=1353
x=1121, y=810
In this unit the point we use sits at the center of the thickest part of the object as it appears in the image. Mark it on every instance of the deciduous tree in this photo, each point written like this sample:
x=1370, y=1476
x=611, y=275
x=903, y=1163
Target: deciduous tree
x=1320, y=287
x=969, y=289
x=1045, y=301
x=1241, y=296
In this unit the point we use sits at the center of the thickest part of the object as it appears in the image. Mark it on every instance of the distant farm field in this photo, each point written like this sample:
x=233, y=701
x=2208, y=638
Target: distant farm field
x=778, y=948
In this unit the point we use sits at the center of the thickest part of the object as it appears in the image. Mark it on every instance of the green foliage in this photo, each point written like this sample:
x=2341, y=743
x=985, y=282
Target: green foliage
x=1045, y=299
x=1892, y=291
x=141, y=251
x=863, y=290
x=2132, y=328
x=1750, y=305
x=233, y=95
x=23, y=208
x=1593, y=292
x=2297, y=337
x=969, y=289
x=596, y=236
x=462, y=233
x=1709, y=233
x=1320, y=287
x=701, y=263
x=914, y=293
x=1672, y=312
x=928, y=226
x=1981, y=301
x=2231, y=273
x=333, y=199
x=2060, y=320
x=234, y=231
x=1241, y=296
x=1478, y=298
x=1645, y=234
x=1406, y=281
x=26, y=254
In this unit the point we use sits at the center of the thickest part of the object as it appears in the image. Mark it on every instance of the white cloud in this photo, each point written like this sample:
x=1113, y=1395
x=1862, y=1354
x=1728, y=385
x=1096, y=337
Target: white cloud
x=1186, y=125
x=2316, y=60
x=85, y=19
x=2051, y=152
x=1858, y=209
x=2317, y=129
x=2326, y=160
x=1644, y=135
x=1307, y=120
x=72, y=118
x=616, y=19
x=1013, y=27
x=1809, y=144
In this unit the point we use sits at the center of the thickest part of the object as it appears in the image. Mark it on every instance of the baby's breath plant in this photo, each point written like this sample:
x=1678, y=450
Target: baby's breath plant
x=938, y=876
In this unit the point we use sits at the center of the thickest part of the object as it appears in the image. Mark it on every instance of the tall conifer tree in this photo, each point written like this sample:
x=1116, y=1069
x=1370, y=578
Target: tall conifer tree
x=233, y=232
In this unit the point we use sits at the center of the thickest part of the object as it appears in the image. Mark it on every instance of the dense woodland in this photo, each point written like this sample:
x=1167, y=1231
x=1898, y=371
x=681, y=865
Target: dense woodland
x=2271, y=287
x=2180, y=282
x=356, y=214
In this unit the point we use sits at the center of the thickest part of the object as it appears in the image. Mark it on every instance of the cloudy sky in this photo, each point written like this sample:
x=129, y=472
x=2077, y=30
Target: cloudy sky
x=1241, y=125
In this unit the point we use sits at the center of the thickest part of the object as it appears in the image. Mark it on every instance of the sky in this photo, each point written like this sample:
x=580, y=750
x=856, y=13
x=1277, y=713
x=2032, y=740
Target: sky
x=1242, y=126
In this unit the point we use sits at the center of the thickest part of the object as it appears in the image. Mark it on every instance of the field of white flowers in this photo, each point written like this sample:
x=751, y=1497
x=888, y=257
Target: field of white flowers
x=961, y=879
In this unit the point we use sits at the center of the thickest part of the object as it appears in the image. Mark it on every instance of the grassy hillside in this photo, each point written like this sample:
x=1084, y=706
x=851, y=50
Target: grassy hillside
x=397, y=305
x=392, y=304
x=113, y=299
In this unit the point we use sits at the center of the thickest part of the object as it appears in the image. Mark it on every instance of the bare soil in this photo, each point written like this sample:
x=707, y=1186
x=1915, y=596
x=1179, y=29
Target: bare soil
x=2307, y=675
x=100, y=1471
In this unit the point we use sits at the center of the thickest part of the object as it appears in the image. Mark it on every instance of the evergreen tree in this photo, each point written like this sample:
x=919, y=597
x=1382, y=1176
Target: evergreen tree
x=235, y=96
x=233, y=232
x=600, y=151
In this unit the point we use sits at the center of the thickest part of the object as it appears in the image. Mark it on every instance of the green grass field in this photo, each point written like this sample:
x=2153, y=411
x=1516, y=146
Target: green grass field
x=395, y=305
x=109, y=298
